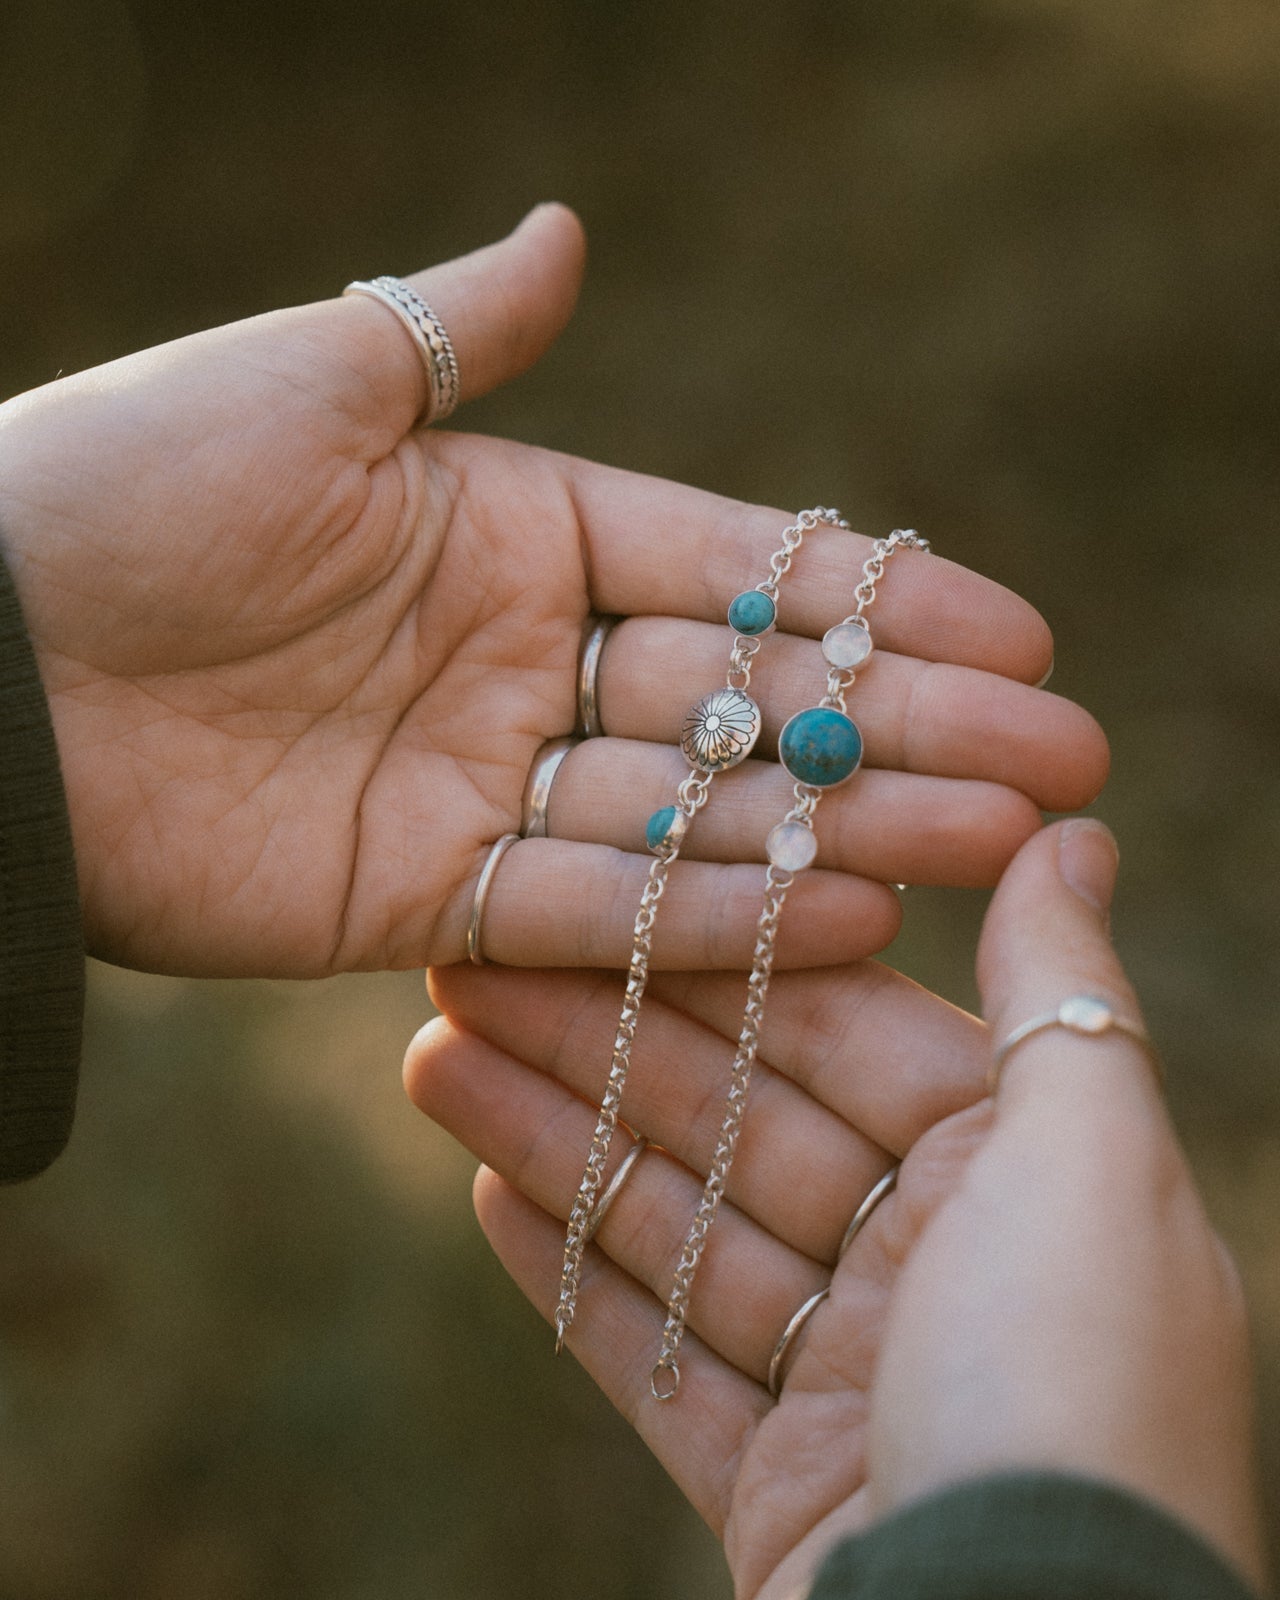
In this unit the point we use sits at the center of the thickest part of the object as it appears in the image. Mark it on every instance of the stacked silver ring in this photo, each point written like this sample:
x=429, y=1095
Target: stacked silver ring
x=546, y=763
x=428, y=333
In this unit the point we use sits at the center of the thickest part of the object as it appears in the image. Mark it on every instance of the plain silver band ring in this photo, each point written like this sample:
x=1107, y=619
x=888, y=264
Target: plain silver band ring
x=610, y=1192
x=862, y=1215
x=428, y=333
x=1082, y=1014
x=594, y=634
x=537, y=788
x=779, y=1356
x=474, y=949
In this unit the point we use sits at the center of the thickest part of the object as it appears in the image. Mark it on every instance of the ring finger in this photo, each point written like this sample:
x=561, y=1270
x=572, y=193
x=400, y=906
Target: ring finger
x=892, y=827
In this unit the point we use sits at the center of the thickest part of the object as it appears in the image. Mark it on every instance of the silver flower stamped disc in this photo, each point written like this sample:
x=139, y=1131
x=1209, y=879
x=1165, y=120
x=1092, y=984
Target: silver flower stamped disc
x=720, y=730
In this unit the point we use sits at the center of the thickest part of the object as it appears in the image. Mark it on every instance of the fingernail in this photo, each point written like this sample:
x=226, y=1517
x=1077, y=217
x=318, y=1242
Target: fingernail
x=537, y=211
x=1088, y=859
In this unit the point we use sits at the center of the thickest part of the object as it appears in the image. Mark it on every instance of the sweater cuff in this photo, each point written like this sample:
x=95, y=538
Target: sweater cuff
x=41, y=938
x=1030, y=1537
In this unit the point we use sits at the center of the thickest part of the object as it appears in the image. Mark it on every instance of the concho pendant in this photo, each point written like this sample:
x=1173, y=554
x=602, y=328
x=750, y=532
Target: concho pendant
x=720, y=730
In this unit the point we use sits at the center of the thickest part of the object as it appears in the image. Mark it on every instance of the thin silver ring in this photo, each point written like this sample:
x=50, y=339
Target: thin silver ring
x=485, y=882
x=610, y=1191
x=1083, y=1014
x=789, y=1333
x=862, y=1215
x=537, y=788
x=428, y=333
x=594, y=635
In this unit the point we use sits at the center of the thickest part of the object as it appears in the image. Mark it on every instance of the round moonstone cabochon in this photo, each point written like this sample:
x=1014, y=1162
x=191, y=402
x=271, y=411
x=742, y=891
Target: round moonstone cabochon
x=847, y=645
x=720, y=730
x=1083, y=1014
x=752, y=613
x=820, y=746
x=791, y=846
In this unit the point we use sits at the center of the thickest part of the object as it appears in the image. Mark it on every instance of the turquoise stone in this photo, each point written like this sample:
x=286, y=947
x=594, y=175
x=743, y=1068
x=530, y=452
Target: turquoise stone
x=820, y=746
x=659, y=826
x=752, y=612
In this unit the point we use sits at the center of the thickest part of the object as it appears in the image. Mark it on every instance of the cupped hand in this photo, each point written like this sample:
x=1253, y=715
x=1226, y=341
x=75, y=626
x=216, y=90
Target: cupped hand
x=301, y=654
x=1041, y=1290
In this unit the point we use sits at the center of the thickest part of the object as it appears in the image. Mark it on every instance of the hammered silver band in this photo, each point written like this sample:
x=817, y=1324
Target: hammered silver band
x=537, y=787
x=475, y=949
x=777, y=1361
x=1083, y=1014
x=862, y=1215
x=594, y=634
x=428, y=333
x=611, y=1190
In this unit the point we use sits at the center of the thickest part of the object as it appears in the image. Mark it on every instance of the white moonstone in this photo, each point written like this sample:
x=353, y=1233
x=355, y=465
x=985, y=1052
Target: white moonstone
x=791, y=846
x=846, y=645
x=1084, y=1014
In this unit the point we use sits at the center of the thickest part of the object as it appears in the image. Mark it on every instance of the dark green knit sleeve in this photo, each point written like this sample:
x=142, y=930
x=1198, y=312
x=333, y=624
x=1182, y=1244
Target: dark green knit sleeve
x=41, y=941
x=1034, y=1537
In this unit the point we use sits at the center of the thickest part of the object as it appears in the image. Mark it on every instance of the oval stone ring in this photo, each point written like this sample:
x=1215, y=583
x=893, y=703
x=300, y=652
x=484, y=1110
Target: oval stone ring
x=1084, y=1014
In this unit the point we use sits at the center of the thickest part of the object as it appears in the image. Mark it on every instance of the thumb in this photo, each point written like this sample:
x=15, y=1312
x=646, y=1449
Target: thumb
x=503, y=307
x=1047, y=939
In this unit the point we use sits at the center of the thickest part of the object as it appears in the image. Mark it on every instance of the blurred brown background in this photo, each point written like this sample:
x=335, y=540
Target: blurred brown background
x=1005, y=270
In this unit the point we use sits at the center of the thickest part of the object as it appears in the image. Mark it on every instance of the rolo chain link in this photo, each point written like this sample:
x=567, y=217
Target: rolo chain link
x=664, y=1380
x=780, y=561
x=607, y=1118
x=840, y=681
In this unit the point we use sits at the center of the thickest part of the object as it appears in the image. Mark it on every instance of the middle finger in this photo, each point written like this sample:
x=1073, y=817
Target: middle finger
x=915, y=716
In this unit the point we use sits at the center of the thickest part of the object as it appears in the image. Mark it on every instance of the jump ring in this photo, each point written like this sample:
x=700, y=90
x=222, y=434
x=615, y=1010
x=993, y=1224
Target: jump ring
x=594, y=635
x=610, y=1191
x=862, y=1215
x=1084, y=1014
x=475, y=950
x=779, y=1356
x=428, y=333
x=537, y=788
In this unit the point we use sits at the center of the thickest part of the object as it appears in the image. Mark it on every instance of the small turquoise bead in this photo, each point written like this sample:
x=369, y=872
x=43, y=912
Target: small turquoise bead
x=820, y=746
x=659, y=826
x=752, y=613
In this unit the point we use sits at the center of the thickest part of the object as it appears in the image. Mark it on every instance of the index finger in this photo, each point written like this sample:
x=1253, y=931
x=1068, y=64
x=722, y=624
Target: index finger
x=655, y=548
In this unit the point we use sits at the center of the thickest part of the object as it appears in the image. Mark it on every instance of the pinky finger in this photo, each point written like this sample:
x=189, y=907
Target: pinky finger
x=617, y=1329
x=558, y=903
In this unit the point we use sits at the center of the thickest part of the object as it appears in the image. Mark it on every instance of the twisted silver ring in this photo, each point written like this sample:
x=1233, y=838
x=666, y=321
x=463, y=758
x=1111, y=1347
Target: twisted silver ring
x=862, y=1215
x=610, y=1191
x=1084, y=1014
x=428, y=333
x=594, y=635
x=537, y=788
x=779, y=1356
x=475, y=951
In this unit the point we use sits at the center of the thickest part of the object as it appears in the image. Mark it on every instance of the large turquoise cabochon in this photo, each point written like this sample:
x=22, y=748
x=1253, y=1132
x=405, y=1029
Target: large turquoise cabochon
x=820, y=746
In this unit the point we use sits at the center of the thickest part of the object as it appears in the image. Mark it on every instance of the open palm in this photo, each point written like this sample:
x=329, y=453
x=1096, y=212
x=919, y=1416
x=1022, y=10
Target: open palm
x=858, y=1066
x=301, y=654
x=1042, y=1290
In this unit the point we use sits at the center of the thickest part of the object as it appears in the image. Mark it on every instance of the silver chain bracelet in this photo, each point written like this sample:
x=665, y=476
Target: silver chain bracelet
x=819, y=747
x=719, y=732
